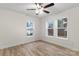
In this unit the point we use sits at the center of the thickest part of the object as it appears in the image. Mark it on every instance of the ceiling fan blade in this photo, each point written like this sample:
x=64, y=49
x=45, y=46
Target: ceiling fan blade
x=46, y=11
x=49, y=5
x=30, y=9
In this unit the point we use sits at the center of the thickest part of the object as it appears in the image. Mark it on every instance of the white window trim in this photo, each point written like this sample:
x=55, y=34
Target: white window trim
x=26, y=29
x=55, y=27
x=48, y=28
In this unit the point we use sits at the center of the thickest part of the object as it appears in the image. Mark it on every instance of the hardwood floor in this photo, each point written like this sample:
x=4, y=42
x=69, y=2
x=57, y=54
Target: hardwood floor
x=38, y=48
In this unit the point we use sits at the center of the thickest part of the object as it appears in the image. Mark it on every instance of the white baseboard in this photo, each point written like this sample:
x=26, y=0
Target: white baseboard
x=7, y=45
x=74, y=49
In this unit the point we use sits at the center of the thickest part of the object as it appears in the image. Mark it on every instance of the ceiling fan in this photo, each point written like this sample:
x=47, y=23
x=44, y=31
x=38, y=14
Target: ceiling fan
x=40, y=8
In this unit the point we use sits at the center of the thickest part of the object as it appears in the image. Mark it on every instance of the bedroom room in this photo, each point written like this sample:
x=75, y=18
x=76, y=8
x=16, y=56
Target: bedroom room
x=39, y=29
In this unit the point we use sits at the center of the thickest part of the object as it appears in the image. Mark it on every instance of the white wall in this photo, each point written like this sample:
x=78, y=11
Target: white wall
x=12, y=28
x=73, y=29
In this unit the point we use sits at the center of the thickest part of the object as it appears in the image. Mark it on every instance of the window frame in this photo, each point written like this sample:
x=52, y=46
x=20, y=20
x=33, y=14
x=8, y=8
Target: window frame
x=47, y=24
x=55, y=29
x=29, y=30
x=61, y=19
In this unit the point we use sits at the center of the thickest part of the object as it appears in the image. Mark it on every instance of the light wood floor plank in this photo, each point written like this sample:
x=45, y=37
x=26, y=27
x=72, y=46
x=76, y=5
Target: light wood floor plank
x=38, y=48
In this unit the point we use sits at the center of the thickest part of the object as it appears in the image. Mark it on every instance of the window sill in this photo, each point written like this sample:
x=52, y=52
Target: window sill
x=61, y=38
x=29, y=36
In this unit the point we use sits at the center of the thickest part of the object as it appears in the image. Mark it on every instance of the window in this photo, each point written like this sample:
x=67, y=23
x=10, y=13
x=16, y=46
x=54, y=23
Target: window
x=62, y=27
x=57, y=28
x=50, y=28
x=29, y=28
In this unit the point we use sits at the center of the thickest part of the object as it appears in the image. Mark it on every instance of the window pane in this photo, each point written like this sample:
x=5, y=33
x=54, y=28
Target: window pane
x=50, y=32
x=50, y=24
x=29, y=24
x=60, y=24
x=29, y=33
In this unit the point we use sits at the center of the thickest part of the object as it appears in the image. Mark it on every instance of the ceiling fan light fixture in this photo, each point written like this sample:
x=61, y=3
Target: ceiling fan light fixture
x=40, y=8
x=37, y=11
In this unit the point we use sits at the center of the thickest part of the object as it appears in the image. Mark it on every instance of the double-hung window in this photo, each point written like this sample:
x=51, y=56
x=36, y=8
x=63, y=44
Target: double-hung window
x=50, y=30
x=57, y=28
x=62, y=27
x=29, y=28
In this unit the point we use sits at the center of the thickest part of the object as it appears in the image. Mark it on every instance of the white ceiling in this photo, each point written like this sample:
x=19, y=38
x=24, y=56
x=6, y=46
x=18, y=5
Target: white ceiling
x=21, y=7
